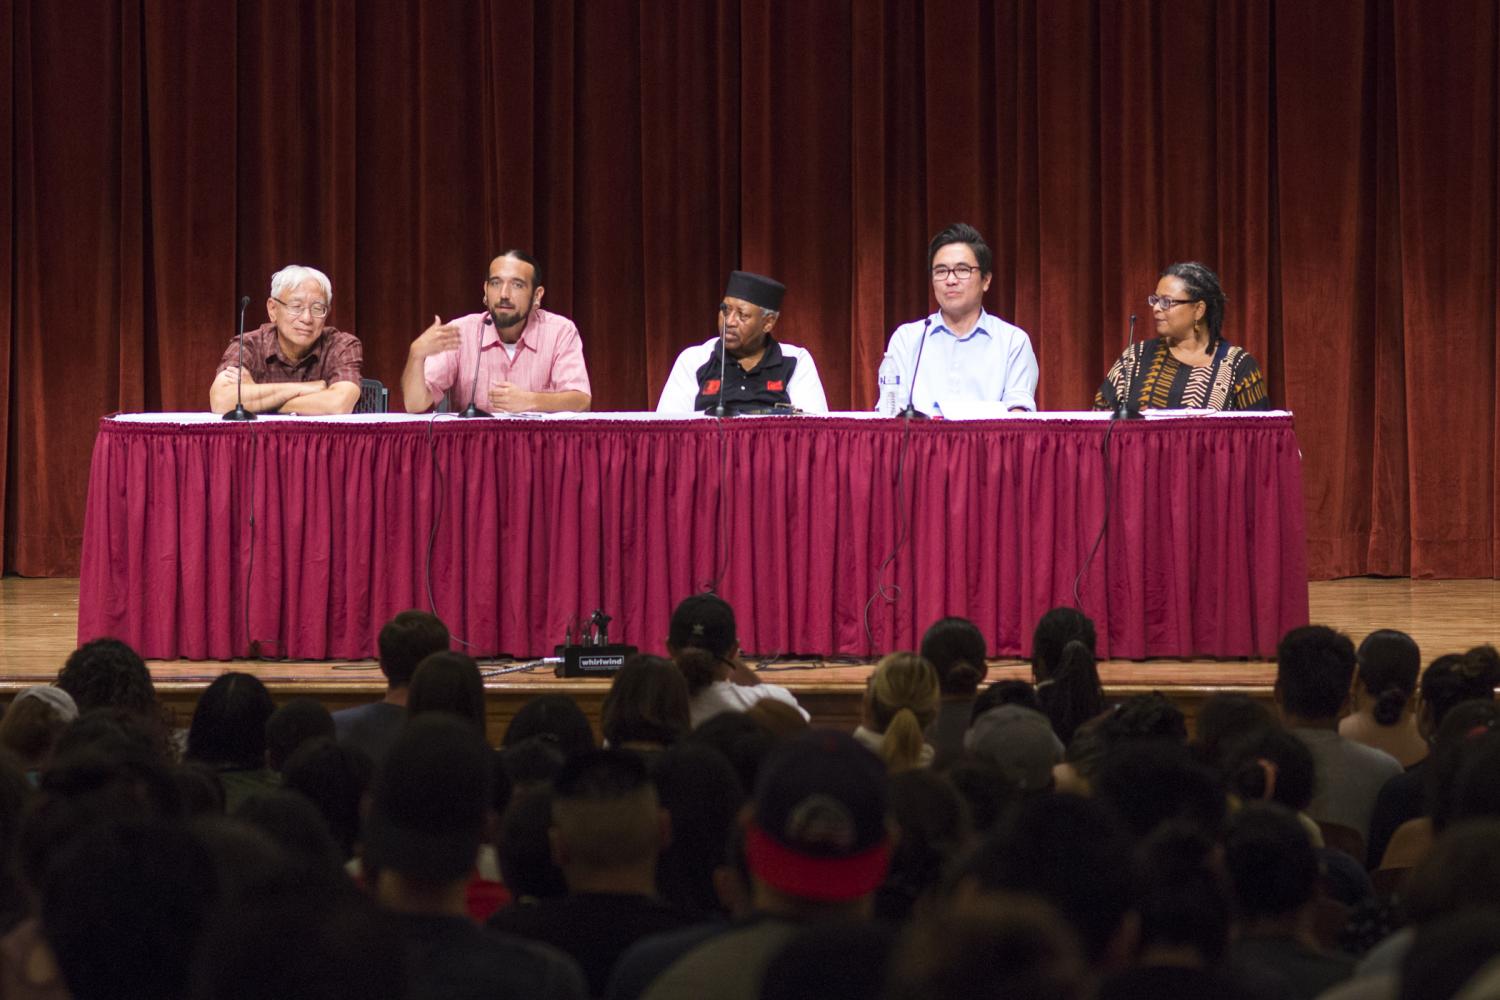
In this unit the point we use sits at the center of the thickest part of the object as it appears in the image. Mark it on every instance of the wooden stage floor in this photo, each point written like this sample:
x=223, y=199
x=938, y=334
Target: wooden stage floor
x=39, y=622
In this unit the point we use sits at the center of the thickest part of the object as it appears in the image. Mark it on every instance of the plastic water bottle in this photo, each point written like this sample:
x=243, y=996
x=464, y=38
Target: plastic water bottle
x=890, y=387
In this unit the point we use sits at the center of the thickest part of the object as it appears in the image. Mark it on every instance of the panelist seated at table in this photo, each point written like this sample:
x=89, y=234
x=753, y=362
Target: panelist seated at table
x=296, y=363
x=970, y=354
x=1188, y=365
x=760, y=375
x=528, y=360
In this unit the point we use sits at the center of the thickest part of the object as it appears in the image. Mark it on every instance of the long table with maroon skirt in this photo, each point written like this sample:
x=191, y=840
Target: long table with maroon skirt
x=830, y=535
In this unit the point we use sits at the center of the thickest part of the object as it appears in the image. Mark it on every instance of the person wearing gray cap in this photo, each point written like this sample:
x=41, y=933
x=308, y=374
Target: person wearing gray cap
x=760, y=375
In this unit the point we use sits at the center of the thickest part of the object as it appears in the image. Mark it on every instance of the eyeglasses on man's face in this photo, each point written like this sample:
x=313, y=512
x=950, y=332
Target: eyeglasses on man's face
x=317, y=309
x=963, y=272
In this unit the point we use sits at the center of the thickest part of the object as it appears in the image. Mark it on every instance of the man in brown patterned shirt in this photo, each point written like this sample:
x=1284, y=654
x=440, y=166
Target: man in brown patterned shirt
x=293, y=364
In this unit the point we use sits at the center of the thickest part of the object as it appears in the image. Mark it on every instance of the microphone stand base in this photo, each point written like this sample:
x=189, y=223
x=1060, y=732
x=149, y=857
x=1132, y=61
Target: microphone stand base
x=239, y=413
x=912, y=413
x=472, y=411
x=1127, y=411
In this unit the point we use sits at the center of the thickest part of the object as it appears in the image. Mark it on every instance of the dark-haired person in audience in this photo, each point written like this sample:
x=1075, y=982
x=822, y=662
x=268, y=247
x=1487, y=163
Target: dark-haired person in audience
x=969, y=354
x=334, y=777
x=836, y=961
x=932, y=831
x=703, y=641
x=523, y=849
x=956, y=649
x=448, y=682
x=1450, y=680
x=1225, y=719
x=817, y=846
x=428, y=814
x=1149, y=783
x=702, y=796
x=293, y=724
x=1072, y=853
x=294, y=363
x=646, y=709
x=1314, y=674
x=1188, y=364
x=106, y=673
x=33, y=721
x=296, y=826
x=520, y=357
x=554, y=718
x=761, y=372
x=404, y=642
x=1273, y=868
x=1063, y=668
x=228, y=732
x=608, y=829
x=901, y=701
x=1139, y=718
x=1384, y=715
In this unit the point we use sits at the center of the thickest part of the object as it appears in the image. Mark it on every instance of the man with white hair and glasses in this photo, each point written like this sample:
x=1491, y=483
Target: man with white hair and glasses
x=295, y=363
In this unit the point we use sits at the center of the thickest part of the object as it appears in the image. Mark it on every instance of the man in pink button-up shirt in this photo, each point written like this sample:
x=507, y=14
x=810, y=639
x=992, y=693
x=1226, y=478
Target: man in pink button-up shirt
x=529, y=360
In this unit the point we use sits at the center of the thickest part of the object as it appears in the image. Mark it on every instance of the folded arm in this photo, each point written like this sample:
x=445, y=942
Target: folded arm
x=266, y=398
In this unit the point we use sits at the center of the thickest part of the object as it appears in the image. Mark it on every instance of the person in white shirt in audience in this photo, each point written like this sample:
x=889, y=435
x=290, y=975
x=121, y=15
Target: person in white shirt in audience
x=970, y=354
x=702, y=640
x=761, y=373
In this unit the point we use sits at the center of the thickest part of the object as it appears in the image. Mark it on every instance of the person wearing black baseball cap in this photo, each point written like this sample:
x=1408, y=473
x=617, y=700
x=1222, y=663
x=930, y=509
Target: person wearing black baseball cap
x=817, y=845
x=761, y=373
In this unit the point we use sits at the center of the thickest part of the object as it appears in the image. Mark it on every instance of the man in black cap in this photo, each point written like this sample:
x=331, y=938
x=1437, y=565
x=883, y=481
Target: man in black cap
x=761, y=373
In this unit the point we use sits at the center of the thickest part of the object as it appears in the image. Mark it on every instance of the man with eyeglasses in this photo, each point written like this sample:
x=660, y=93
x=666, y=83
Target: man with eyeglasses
x=762, y=375
x=970, y=354
x=528, y=360
x=295, y=363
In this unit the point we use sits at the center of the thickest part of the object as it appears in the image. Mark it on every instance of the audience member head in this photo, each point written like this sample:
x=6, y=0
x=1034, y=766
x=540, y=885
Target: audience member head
x=647, y=704
x=406, y=640
x=1072, y=853
x=313, y=940
x=123, y=907
x=429, y=805
x=555, y=718
x=956, y=649
x=1475, y=789
x=1450, y=680
x=1455, y=745
x=448, y=682
x=1389, y=662
x=1226, y=718
x=33, y=722
x=901, y=702
x=817, y=841
x=1271, y=766
x=1184, y=900
x=116, y=730
x=701, y=639
x=533, y=763
x=295, y=825
x=932, y=828
x=293, y=724
x=229, y=724
x=525, y=847
x=1462, y=870
x=987, y=791
x=607, y=823
x=742, y=742
x=1011, y=691
x=15, y=794
x=201, y=788
x=106, y=673
x=839, y=960
x=334, y=777
x=1067, y=678
x=1272, y=864
x=1018, y=741
x=702, y=795
x=988, y=949
x=1314, y=673
x=1154, y=782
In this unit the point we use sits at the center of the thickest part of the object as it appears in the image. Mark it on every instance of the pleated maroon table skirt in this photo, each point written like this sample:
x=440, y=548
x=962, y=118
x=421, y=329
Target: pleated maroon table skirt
x=305, y=535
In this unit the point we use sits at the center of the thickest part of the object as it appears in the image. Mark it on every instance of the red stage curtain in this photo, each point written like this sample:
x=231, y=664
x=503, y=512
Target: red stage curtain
x=1336, y=164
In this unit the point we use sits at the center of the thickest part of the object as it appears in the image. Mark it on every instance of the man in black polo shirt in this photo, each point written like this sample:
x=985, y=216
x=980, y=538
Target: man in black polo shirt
x=761, y=374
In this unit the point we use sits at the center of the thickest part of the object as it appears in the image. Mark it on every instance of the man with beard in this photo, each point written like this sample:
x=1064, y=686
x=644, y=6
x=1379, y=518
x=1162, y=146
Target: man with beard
x=529, y=360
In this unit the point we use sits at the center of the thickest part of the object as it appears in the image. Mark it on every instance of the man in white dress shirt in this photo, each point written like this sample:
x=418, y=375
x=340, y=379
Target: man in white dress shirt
x=969, y=354
x=762, y=373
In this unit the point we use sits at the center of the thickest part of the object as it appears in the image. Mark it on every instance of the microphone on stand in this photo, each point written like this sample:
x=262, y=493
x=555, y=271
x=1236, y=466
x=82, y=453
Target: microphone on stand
x=718, y=410
x=239, y=412
x=472, y=410
x=1126, y=408
x=911, y=412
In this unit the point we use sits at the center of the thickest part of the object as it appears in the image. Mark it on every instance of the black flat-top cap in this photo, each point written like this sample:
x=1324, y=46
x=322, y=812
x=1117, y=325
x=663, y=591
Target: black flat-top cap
x=756, y=289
